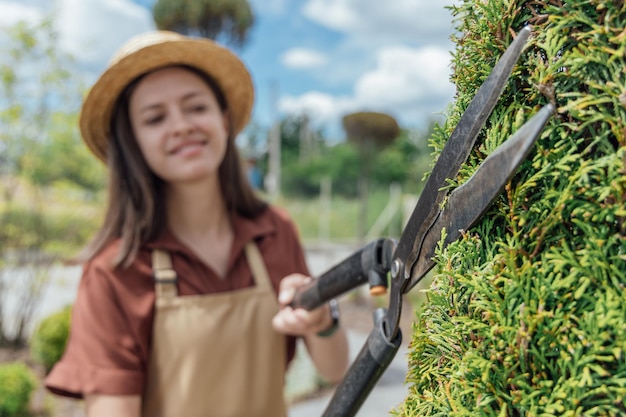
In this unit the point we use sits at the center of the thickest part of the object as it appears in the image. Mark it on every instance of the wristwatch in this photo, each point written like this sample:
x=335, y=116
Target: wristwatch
x=334, y=313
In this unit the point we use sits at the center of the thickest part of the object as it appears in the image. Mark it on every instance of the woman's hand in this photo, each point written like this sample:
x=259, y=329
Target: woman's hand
x=298, y=321
x=329, y=354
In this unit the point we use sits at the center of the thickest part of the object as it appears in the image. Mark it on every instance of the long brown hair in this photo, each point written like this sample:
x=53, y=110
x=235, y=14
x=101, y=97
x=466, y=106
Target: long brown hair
x=136, y=211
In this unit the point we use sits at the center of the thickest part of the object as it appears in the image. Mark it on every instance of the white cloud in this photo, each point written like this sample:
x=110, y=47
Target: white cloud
x=412, y=84
x=92, y=30
x=404, y=76
x=337, y=15
x=302, y=58
x=321, y=107
x=404, y=19
x=13, y=12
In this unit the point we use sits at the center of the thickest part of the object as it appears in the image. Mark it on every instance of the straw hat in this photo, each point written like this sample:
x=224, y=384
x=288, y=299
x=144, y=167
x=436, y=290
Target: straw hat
x=154, y=50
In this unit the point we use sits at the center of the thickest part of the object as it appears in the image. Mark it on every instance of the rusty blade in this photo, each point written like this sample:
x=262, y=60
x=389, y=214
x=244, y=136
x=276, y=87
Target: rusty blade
x=467, y=203
x=455, y=153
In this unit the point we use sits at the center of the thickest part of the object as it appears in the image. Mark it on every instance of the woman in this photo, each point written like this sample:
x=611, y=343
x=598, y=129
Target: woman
x=183, y=308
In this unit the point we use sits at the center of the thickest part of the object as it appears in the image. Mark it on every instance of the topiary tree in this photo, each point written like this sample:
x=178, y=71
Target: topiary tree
x=370, y=132
x=526, y=315
x=230, y=19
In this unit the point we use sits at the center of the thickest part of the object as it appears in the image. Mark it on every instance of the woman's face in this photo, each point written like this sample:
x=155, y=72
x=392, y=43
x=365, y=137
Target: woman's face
x=179, y=126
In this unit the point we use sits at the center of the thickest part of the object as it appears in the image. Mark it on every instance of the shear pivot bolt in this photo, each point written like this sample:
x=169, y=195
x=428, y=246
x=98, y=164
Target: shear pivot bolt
x=395, y=268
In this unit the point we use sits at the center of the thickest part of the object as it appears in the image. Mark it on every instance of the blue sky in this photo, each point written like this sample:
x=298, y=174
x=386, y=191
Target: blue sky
x=324, y=58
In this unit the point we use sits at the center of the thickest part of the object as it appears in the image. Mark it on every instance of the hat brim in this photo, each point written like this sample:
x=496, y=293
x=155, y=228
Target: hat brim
x=219, y=63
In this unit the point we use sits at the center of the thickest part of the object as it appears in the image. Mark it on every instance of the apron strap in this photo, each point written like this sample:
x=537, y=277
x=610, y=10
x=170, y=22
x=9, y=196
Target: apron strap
x=165, y=277
x=257, y=266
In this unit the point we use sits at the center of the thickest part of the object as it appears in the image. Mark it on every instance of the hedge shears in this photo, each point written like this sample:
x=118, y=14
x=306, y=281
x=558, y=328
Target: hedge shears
x=384, y=263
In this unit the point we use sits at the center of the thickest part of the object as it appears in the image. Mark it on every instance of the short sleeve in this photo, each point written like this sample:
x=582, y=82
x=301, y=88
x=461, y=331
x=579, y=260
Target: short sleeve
x=102, y=355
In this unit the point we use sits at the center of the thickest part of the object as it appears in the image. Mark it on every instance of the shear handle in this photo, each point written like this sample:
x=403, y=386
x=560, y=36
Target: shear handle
x=371, y=260
x=370, y=364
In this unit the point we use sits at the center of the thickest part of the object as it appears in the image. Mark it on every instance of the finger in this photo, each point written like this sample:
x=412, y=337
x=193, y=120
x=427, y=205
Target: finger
x=285, y=296
x=278, y=323
x=287, y=323
x=294, y=280
x=307, y=317
x=313, y=320
x=282, y=320
x=288, y=286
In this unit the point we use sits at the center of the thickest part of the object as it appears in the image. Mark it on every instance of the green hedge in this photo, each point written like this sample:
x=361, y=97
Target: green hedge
x=527, y=312
x=17, y=383
x=50, y=337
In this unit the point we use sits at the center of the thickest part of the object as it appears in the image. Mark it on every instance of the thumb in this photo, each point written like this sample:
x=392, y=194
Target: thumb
x=286, y=295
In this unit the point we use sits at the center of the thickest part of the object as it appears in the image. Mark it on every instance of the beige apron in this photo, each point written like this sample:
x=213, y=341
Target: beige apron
x=215, y=355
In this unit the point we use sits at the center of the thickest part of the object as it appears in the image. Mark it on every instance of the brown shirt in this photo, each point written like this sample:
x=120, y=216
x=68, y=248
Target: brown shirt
x=109, y=344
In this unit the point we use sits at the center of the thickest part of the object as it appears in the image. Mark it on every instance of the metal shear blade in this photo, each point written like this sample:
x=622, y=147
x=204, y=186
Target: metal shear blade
x=467, y=203
x=413, y=256
x=455, y=153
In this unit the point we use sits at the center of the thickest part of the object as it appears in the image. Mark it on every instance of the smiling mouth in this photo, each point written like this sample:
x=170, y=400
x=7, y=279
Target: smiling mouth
x=187, y=147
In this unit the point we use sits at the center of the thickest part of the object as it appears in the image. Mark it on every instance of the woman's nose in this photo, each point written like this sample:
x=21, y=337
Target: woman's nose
x=180, y=123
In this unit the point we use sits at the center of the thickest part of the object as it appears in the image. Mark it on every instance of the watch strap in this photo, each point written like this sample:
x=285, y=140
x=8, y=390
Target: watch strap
x=334, y=313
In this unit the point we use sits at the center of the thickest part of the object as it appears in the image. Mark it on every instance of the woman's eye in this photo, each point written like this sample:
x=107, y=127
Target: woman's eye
x=198, y=108
x=154, y=120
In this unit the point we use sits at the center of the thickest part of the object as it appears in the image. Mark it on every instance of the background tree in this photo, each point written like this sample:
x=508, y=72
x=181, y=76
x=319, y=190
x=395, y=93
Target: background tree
x=405, y=161
x=370, y=132
x=39, y=98
x=40, y=147
x=339, y=162
x=305, y=157
x=230, y=20
x=527, y=312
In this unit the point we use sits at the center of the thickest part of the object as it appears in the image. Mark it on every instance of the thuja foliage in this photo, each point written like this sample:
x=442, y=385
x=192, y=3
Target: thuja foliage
x=527, y=312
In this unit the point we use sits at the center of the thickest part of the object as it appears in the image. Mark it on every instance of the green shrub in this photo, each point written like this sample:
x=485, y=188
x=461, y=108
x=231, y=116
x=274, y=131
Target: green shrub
x=22, y=228
x=58, y=233
x=17, y=383
x=527, y=312
x=68, y=231
x=50, y=337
